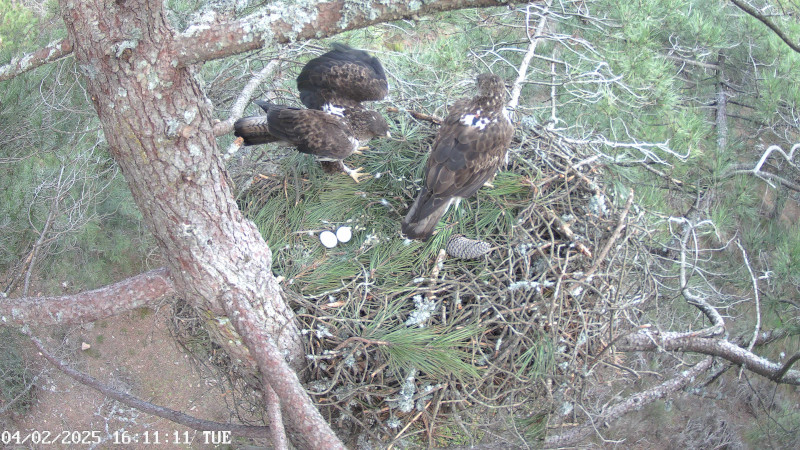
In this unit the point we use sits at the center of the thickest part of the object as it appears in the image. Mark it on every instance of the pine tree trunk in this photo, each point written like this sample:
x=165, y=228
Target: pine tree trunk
x=157, y=122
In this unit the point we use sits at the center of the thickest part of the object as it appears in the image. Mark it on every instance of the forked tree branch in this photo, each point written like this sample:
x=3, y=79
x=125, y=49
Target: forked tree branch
x=283, y=22
x=632, y=403
x=147, y=407
x=276, y=22
x=769, y=177
x=140, y=290
x=648, y=340
x=534, y=39
x=306, y=423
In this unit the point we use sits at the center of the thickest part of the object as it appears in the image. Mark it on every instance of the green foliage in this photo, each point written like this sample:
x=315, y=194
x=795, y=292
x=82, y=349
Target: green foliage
x=435, y=351
x=16, y=24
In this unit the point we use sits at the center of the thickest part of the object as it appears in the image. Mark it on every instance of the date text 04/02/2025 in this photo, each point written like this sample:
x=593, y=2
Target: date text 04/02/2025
x=123, y=437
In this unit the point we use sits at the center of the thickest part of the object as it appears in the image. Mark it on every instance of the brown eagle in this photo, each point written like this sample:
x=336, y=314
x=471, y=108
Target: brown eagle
x=330, y=137
x=468, y=149
x=343, y=77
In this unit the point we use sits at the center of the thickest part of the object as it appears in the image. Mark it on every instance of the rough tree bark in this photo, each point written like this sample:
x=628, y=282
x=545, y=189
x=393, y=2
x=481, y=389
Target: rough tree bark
x=157, y=122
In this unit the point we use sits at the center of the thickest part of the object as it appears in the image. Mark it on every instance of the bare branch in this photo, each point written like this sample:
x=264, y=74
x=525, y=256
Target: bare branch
x=141, y=405
x=19, y=65
x=277, y=432
x=526, y=60
x=717, y=323
x=647, y=340
x=38, y=245
x=779, y=376
x=753, y=280
x=632, y=403
x=244, y=97
x=768, y=176
x=306, y=422
x=282, y=22
x=140, y=290
x=614, y=236
x=763, y=19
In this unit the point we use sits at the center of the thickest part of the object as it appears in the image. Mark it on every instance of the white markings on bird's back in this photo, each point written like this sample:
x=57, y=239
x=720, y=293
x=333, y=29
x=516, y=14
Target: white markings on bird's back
x=333, y=109
x=475, y=120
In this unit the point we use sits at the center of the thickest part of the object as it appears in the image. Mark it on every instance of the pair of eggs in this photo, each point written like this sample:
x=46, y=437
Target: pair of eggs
x=330, y=239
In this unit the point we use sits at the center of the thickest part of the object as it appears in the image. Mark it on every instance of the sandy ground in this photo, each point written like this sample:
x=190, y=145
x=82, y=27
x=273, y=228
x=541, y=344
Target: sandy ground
x=135, y=353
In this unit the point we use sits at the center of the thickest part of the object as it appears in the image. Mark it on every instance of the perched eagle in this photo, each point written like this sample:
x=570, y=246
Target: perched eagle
x=468, y=149
x=328, y=135
x=343, y=77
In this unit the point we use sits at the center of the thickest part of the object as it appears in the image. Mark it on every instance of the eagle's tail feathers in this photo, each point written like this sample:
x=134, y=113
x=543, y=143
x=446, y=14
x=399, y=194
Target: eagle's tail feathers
x=254, y=130
x=424, y=215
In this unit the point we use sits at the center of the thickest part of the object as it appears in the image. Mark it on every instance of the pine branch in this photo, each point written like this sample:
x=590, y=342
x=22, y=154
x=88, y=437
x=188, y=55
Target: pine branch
x=283, y=22
x=140, y=290
x=50, y=53
x=280, y=22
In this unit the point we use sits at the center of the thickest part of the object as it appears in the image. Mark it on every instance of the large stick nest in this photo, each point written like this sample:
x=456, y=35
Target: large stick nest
x=400, y=334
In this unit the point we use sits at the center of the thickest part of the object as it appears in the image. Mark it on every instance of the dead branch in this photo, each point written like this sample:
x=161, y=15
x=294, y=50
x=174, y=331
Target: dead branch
x=226, y=126
x=717, y=323
x=614, y=236
x=632, y=403
x=779, y=376
x=763, y=19
x=650, y=340
x=769, y=177
x=526, y=60
x=140, y=290
x=754, y=281
x=141, y=405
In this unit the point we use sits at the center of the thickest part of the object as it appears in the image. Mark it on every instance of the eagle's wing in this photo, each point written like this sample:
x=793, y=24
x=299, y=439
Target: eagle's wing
x=313, y=132
x=344, y=76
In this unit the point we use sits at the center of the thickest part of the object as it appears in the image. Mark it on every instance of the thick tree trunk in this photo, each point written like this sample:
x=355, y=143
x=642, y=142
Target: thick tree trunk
x=157, y=122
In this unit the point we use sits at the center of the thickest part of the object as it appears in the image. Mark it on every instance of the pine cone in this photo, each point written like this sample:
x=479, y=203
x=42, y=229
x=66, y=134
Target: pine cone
x=460, y=247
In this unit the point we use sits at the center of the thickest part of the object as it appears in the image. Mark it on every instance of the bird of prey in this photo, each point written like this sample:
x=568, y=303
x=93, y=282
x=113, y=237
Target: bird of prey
x=329, y=136
x=343, y=77
x=467, y=151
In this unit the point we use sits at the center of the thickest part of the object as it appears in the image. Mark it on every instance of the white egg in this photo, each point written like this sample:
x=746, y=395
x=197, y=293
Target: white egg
x=344, y=234
x=328, y=239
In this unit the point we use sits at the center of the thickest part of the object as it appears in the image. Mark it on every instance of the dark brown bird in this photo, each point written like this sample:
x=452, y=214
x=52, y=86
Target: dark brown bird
x=343, y=77
x=467, y=151
x=329, y=137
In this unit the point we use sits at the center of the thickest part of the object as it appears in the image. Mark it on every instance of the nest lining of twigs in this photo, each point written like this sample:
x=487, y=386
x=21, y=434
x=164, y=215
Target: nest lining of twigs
x=376, y=309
